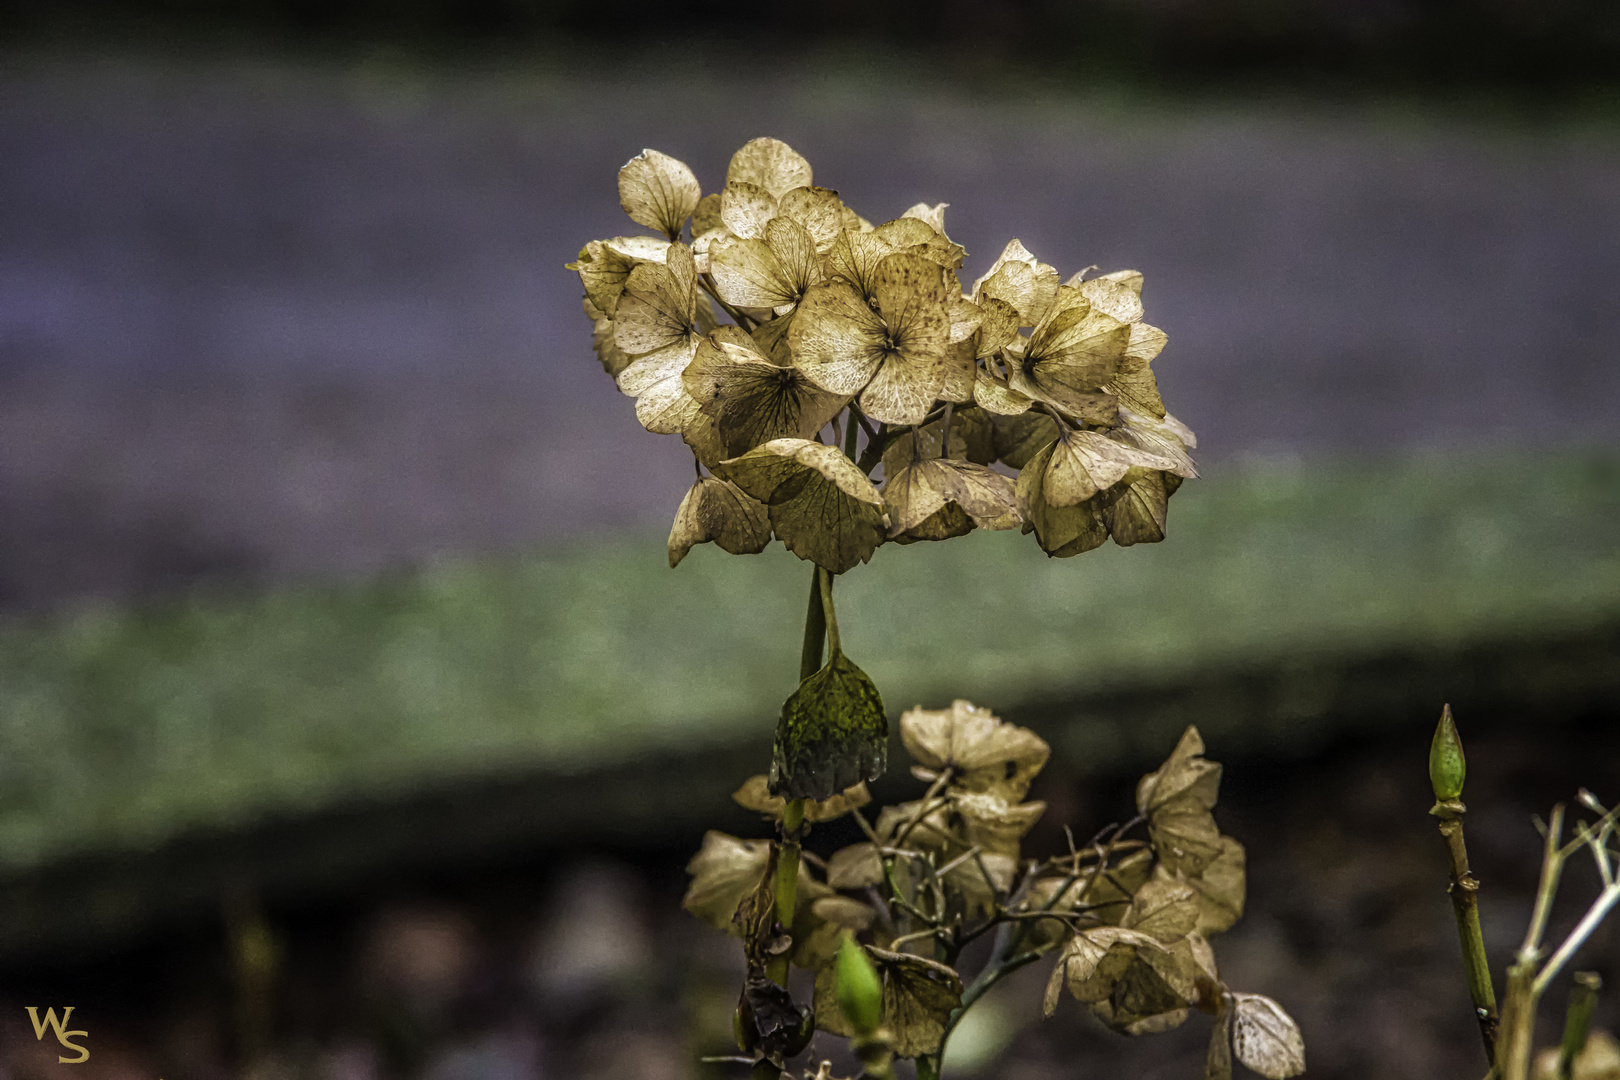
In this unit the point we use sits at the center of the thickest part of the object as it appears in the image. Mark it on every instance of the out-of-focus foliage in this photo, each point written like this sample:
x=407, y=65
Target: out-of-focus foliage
x=226, y=711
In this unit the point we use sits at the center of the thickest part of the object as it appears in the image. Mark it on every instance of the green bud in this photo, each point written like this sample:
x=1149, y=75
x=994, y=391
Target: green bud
x=860, y=992
x=1447, y=766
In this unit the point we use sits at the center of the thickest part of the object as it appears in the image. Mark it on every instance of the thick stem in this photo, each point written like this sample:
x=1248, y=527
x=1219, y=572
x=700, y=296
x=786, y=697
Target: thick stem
x=1578, y=1020
x=815, y=628
x=1517, y=1033
x=816, y=631
x=824, y=580
x=1464, y=891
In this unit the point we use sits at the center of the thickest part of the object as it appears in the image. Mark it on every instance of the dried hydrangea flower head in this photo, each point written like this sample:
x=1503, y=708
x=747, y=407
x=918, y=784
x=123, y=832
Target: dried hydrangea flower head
x=856, y=393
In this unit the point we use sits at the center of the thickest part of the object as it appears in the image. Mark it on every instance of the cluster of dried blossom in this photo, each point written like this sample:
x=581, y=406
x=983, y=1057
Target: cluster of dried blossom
x=1129, y=919
x=838, y=323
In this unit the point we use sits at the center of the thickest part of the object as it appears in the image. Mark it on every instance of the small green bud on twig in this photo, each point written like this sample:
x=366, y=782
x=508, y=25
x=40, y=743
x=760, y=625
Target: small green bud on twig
x=860, y=992
x=1447, y=765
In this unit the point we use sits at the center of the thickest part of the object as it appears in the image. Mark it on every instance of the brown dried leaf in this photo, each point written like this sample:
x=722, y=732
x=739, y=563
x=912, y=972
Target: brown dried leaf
x=1164, y=908
x=1185, y=772
x=1265, y=1037
x=984, y=752
x=918, y=996
x=1221, y=888
x=857, y=866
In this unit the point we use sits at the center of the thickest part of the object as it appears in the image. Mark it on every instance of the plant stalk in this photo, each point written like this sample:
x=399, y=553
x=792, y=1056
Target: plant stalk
x=820, y=625
x=1464, y=892
x=1517, y=1033
x=1578, y=1020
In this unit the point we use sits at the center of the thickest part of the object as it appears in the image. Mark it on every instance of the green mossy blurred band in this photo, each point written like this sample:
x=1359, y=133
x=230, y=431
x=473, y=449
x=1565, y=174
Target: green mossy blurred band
x=832, y=734
x=1447, y=765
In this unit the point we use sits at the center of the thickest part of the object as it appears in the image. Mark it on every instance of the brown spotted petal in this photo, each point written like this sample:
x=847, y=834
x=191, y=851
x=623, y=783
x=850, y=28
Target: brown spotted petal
x=659, y=192
x=718, y=511
x=772, y=273
x=818, y=211
x=771, y=164
x=1022, y=281
x=604, y=265
x=745, y=209
x=1072, y=353
x=752, y=399
x=1062, y=531
x=821, y=505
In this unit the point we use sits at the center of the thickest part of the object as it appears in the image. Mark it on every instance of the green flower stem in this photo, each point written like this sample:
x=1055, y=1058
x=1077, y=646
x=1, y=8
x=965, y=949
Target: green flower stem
x=824, y=580
x=1464, y=891
x=815, y=628
x=820, y=626
x=1578, y=1020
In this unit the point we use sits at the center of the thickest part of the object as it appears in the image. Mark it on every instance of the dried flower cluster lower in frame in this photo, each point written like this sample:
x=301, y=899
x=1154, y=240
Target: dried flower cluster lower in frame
x=1128, y=916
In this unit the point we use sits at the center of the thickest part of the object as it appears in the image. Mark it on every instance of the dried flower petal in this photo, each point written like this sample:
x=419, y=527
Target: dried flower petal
x=718, y=511
x=659, y=192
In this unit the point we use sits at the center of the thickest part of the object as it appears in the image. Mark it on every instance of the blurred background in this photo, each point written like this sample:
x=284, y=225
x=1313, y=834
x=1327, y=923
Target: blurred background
x=352, y=726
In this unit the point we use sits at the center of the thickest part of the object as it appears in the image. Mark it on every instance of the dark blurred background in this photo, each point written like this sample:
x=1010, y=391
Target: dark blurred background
x=333, y=613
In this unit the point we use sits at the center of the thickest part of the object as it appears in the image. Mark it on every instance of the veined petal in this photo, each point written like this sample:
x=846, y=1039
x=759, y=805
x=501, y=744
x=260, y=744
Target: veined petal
x=745, y=208
x=715, y=510
x=836, y=339
x=1020, y=279
x=933, y=216
x=819, y=211
x=659, y=192
x=603, y=266
x=771, y=164
x=1086, y=463
x=1115, y=298
x=753, y=400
